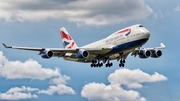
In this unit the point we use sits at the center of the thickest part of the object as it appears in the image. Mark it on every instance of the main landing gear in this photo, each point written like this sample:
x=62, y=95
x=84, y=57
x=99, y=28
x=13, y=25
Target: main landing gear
x=122, y=62
x=109, y=64
x=96, y=63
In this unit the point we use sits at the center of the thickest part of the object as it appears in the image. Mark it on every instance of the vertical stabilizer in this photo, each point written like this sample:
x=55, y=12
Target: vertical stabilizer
x=67, y=40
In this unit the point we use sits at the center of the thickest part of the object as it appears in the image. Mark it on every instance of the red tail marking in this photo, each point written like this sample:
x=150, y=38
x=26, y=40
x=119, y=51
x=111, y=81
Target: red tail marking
x=64, y=35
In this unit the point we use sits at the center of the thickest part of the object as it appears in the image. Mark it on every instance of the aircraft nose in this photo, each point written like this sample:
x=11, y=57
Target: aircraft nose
x=146, y=32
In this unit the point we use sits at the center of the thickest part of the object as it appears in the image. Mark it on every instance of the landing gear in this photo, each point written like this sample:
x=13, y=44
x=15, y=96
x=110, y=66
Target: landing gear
x=95, y=64
x=122, y=62
x=109, y=64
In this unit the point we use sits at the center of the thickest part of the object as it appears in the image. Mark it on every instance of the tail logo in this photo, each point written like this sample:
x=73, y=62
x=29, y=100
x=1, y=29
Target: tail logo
x=127, y=31
x=71, y=46
x=67, y=40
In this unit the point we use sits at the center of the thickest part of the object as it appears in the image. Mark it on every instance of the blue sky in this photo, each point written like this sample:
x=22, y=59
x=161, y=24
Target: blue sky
x=24, y=75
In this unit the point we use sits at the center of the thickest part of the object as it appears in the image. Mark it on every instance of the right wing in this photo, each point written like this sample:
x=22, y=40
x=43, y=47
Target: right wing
x=137, y=50
x=60, y=52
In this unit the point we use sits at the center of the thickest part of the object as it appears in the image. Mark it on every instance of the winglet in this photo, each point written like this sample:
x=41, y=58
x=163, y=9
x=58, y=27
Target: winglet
x=6, y=45
x=162, y=45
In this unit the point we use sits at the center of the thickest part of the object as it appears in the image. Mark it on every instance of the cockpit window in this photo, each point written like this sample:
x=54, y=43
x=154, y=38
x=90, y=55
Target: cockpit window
x=140, y=25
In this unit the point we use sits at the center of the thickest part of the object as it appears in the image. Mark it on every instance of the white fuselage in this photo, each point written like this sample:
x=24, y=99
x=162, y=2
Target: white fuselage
x=124, y=40
x=137, y=33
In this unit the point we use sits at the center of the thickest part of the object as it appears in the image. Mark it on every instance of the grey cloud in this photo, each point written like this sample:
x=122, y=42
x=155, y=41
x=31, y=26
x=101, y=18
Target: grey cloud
x=89, y=12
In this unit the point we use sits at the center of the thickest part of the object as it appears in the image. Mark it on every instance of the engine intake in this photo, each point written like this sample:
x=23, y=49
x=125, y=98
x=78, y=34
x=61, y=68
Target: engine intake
x=47, y=54
x=144, y=53
x=82, y=54
x=156, y=54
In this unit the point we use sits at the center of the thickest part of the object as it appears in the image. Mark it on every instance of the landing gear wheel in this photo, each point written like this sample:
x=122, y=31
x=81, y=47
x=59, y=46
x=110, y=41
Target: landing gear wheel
x=122, y=65
x=111, y=64
x=92, y=65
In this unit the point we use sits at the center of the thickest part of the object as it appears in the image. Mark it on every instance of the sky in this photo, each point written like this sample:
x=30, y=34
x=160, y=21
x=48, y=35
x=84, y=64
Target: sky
x=25, y=76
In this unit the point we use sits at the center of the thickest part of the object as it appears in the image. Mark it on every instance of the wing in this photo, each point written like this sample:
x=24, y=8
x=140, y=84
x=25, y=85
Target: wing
x=59, y=52
x=135, y=52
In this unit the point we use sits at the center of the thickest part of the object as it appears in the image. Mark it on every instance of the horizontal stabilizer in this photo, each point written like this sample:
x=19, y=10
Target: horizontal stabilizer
x=6, y=45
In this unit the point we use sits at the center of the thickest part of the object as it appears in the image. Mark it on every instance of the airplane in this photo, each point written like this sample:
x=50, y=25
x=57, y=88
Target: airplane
x=116, y=46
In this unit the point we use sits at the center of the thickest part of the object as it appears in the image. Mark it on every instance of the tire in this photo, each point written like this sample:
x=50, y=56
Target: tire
x=111, y=64
x=92, y=65
x=124, y=61
x=106, y=65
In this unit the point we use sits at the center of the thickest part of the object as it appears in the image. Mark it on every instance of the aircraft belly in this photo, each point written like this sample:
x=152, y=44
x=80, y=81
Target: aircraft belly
x=125, y=47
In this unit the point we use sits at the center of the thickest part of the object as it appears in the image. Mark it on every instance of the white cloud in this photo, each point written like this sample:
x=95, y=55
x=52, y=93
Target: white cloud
x=29, y=69
x=114, y=91
x=60, y=80
x=133, y=78
x=89, y=12
x=58, y=86
x=17, y=93
x=177, y=8
x=59, y=89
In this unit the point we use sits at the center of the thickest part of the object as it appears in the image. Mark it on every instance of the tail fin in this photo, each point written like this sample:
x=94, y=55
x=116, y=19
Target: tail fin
x=67, y=40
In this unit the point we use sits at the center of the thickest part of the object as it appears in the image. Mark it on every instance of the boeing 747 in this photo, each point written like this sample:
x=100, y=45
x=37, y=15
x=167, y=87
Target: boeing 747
x=116, y=46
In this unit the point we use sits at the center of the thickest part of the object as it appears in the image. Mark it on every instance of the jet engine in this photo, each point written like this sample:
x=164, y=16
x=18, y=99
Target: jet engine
x=144, y=53
x=156, y=54
x=47, y=54
x=82, y=54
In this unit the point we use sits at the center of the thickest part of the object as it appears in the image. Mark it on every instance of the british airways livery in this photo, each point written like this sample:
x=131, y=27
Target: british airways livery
x=116, y=46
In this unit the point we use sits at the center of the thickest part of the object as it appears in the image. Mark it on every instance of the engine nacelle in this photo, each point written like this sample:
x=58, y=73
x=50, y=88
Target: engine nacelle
x=144, y=53
x=82, y=54
x=156, y=54
x=47, y=54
